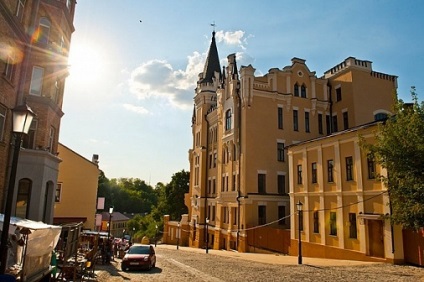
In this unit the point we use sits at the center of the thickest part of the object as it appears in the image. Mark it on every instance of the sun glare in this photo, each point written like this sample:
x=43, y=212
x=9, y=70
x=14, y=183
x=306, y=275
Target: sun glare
x=87, y=63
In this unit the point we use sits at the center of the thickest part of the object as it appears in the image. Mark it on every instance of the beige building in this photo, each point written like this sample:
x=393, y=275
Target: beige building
x=239, y=171
x=76, y=191
x=344, y=203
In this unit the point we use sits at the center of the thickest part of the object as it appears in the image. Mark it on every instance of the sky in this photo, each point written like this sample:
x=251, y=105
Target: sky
x=134, y=65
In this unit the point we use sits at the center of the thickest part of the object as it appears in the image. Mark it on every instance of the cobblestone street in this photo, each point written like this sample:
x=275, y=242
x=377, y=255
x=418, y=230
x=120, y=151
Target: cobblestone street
x=194, y=264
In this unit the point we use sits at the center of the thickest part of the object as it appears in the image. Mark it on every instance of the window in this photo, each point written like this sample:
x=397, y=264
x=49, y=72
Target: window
x=2, y=121
x=338, y=94
x=330, y=166
x=380, y=116
x=328, y=124
x=20, y=9
x=296, y=90
x=349, y=168
x=213, y=186
x=281, y=215
x=335, y=128
x=333, y=224
x=44, y=31
x=228, y=120
x=316, y=222
x=58, y=193
x=352, y=226
x=281, y=183
x=9, y=69
x=303, y=91
x=215, y=156
x=52, y=134
x=320, y=127
x=36, y=81
x=28, y=141
x=261, y=183
x=234, y=183
x=261, y=215
x=234, y=216
x=280, y=152
x=345, y=120
x=280, y=118
x=314, y=173
x=307, y=129
x=295, y=120
x=23, y=199
x=299, y=174
x=371, y=167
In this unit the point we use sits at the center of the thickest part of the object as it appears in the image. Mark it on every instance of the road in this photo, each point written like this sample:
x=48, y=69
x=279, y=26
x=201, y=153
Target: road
x=196, y=265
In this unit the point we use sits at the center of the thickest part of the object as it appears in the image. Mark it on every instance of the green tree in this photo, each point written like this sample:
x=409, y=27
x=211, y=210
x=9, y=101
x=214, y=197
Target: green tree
x=174, y=194
x=399, y=148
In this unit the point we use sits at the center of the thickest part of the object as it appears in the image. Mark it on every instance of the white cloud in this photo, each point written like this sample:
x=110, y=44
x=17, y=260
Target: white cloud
x=231, y=37
x=157, y=79
x=138, y=110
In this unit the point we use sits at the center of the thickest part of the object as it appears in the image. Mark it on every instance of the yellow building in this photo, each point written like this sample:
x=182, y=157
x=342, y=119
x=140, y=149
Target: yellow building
x=344, y=203
x=76, y=191
x=241, y=124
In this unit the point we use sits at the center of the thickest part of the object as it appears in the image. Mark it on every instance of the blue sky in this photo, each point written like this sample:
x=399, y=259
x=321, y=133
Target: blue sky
x=129, y=96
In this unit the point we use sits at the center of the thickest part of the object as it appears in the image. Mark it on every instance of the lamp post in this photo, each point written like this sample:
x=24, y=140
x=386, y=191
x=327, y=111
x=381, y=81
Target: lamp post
x=132, y=237
x=110, y=222
x=156, y=236
x=178, y=236
x=22, y=118
x=299, y=212
x=207, y=235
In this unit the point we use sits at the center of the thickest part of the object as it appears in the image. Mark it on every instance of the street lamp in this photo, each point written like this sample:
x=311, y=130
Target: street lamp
x=299, y=212
x=22, y=118
x=110, y=222
x=132, y=237
x=156, y=235
x=178, y=236
x=207, y=235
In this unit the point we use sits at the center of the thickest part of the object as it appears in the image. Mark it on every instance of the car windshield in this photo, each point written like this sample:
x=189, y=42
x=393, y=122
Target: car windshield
x=142, y=250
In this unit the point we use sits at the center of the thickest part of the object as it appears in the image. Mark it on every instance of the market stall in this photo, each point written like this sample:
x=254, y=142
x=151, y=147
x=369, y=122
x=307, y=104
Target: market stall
x=30, y=248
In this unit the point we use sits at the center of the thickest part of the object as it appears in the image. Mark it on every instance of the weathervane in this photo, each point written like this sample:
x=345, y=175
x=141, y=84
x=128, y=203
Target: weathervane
x=213, y=24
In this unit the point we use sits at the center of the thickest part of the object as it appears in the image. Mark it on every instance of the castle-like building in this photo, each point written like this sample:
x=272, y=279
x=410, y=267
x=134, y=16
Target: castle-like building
x=241, y=177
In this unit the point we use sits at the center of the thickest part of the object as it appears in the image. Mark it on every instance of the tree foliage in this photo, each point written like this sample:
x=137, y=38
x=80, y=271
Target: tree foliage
x=399, y=148
x=134, y=196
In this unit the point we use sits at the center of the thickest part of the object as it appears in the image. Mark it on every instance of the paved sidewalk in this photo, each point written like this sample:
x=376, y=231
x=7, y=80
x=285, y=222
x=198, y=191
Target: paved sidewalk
x=273, y=258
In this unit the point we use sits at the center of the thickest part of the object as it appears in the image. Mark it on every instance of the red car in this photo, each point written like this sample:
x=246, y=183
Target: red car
x=139, y=257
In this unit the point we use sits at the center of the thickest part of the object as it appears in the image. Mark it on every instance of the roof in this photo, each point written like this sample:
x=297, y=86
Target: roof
x=352, y=129
x=212, y=64
x=116, y=216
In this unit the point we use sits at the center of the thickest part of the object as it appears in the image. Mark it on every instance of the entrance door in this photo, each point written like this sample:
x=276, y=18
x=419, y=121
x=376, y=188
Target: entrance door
x=376, y=238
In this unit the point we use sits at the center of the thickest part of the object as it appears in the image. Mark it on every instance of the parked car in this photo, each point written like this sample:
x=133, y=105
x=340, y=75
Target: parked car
x=139, y=256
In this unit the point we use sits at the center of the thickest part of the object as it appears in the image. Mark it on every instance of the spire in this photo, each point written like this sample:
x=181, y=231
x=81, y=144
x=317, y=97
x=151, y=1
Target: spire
x=212, y=62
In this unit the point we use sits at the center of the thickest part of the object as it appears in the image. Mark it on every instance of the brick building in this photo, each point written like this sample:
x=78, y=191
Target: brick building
x=35, y=37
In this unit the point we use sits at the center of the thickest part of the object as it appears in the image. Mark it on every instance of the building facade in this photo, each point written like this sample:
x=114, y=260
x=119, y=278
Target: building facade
x=239, y=171
x=76, y=190
x=35, y=39
x=344, y=203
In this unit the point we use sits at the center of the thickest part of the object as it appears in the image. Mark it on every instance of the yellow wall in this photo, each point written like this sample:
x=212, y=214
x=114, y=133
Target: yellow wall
x=79, y=179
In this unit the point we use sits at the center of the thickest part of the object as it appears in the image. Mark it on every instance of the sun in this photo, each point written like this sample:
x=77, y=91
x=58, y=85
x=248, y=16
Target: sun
x=87, y=63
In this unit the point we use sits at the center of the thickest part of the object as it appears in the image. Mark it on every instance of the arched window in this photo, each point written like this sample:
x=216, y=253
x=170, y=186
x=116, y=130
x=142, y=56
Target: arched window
x=303, y=91
x=228, y=120
x=44, y=31
x=23, y=199
x=296, y=90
